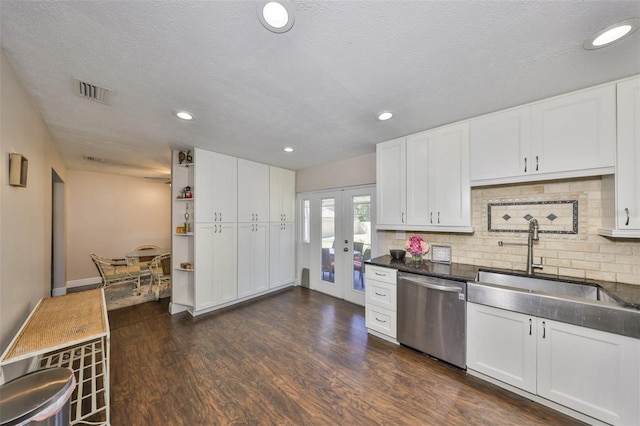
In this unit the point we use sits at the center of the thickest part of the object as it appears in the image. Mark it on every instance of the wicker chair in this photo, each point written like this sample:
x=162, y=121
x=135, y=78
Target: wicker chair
x=160, y=268
x=142, y=261
x=117, y=271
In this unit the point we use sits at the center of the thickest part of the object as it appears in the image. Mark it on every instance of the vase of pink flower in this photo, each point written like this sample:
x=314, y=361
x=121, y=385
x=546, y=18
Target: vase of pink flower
x=417, y=247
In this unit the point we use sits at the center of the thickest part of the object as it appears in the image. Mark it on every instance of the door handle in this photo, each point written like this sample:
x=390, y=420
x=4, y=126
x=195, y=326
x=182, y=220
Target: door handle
x=434, y=286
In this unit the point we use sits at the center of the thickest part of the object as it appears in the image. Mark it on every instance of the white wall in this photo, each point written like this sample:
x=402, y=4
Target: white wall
x=109, y=215
x=350, y=172
x=25, y=213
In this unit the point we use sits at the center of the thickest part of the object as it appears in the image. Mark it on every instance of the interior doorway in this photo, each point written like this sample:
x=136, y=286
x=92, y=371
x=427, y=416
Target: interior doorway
x=341, y=240
x=58, y=254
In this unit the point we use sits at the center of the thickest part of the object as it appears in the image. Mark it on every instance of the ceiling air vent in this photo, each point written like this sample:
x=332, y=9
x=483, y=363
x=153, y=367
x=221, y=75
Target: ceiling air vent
x=93, y=158
x=91, y=91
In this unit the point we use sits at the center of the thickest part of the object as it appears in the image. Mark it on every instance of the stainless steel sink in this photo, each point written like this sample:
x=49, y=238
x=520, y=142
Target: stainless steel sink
x=584, y=291
x=580, y=304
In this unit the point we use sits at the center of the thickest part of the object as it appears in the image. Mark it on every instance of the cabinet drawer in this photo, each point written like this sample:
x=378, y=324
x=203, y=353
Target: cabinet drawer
x=385, y=275
x=381, y=320
x=381, y=294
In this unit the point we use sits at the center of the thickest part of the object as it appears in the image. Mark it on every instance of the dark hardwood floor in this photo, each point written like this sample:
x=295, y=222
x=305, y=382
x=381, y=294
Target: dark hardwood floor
x=297, y=357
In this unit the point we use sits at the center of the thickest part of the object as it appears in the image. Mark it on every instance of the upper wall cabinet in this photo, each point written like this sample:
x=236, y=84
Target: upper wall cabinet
x=253, y=191
x=423, y=181
x=621, y=193
x=572, y=135
x=216, y=181
x=282, y=194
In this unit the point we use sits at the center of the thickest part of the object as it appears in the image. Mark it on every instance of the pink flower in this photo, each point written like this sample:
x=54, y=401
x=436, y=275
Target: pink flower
x=416, y=245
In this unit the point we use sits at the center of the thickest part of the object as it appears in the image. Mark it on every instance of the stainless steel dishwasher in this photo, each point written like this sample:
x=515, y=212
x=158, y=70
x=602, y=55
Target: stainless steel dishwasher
x=432, y=315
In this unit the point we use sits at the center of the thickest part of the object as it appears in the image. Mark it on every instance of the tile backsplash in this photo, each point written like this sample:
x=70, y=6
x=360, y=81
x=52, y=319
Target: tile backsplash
x=583, y=255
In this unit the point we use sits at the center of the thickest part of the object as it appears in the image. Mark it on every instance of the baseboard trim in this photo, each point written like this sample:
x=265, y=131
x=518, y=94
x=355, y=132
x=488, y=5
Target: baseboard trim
x=83, y=282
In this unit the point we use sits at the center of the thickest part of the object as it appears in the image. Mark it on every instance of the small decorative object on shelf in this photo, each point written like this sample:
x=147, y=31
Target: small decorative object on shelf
x=187, y=192
x=186, y=265
x=417, y=247
x=181, y=157
x=180, y=230
x=189, y=157
x=187, y=222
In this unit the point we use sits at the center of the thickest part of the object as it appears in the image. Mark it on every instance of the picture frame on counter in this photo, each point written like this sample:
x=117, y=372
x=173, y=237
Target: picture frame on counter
x=441, y=254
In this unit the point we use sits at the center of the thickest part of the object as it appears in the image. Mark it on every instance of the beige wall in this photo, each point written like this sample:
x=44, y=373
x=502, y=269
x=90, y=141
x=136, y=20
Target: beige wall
x=583, y=255
x=25, y=213
x=350, y=172
x=109, y=215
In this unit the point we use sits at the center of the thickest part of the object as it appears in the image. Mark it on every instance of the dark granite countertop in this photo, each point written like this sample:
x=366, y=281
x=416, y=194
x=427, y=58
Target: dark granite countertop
x=626, y=294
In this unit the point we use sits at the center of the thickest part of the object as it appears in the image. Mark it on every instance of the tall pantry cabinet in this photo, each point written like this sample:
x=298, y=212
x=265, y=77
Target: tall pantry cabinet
x=225, y=254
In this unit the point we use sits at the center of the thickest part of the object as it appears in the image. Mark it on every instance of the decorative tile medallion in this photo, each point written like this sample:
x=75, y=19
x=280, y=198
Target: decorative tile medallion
x=554, y=217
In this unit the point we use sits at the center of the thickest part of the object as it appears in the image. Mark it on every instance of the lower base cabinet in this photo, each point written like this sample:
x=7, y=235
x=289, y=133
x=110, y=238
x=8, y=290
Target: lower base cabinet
x=589, y=371
x=380, y=302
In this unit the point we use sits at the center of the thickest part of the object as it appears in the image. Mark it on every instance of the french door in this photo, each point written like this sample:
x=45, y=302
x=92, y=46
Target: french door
x=341, y=241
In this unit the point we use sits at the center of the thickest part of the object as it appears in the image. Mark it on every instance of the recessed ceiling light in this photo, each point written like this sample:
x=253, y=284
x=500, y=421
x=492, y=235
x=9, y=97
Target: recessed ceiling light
x=276, y=16
x=384, y=116
x=288, y=149
x=612, y=34
x=184, y=115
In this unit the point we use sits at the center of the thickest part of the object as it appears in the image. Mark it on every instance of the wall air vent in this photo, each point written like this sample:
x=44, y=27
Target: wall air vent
x=91, y=91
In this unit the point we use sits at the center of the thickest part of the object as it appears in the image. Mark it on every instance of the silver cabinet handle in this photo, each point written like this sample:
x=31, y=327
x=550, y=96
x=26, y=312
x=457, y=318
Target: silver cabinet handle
x=215, y=229
x=536, y=163
x=380, y=275
x=378, y=294
x=525, y=164
x=379, y=320
x=220, y=229
x=215, y=216
x=431, y=217
x=544, y=330
x=256, y=217
x=438, y=217
x=626, y=210
x=285, y=216
x=402, y=217
x=530, y=329
x=220, y=214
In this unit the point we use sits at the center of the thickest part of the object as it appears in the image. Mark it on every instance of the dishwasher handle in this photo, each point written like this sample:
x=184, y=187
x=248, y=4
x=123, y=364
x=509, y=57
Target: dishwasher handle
x=432, y=286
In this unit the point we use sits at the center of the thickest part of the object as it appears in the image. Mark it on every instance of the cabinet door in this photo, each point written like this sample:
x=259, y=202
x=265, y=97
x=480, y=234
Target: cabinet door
x=225, y=263
x=204, y=266
x=448, y=183
x=253, y=258
x=203, y=186
x=502, y=345
x=574, y=132
x=590, y=371
x=628, y=161
x=281, y=254
x=225, y=188
x=391, y=182
x=500, y=144
x=418, y=178
x=253, y=191
x=215, y=187
x=282, y=193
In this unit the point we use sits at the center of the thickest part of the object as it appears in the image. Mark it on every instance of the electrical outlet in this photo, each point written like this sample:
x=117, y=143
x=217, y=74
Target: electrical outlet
x=401, y=235
x=183, y=281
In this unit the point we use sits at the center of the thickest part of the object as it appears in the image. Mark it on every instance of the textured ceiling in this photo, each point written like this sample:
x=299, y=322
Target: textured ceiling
x=316, y=88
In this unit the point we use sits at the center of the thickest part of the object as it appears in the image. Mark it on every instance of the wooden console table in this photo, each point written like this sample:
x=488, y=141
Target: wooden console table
x=70, y=331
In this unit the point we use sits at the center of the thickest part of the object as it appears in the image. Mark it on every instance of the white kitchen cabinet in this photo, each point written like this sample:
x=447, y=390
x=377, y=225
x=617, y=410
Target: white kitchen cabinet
x=589, y=371
x=282, y=194
x=215, y=184
x=433, y=192
x=253, y=258
x=572, y=135
x=502, y=345
x=380, y=302
x=253, y=191
x=281, y=254
x=215, y=267
x=621, y=192
x=500, y=144
x=391, y=171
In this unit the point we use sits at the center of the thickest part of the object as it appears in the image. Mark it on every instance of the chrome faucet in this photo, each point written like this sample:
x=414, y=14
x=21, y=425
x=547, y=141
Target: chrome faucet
x=533, y=236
